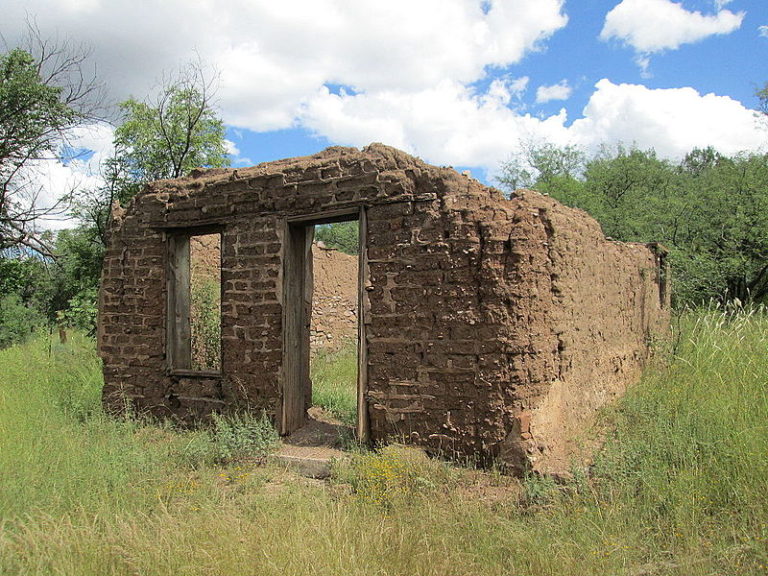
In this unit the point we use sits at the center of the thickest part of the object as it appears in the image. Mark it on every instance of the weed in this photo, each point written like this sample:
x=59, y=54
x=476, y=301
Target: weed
x=205, y=324
x=393, y=475
x=199, y=450
x=241, y=436
x=539, y=490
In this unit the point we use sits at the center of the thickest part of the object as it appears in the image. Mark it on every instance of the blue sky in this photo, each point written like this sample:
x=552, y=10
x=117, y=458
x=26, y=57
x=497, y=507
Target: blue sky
x=457, y=82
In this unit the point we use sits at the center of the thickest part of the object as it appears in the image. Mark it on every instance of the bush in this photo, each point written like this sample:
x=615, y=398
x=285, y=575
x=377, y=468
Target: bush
x=394, y=475
x=241, y=435
x=82, y=311
x=17, y=321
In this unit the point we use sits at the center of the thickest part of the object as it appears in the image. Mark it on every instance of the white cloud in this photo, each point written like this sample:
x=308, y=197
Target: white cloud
x=518, y=86
x=276, y=59
x=503, y=90
x=446, y=124
x=763, y=31
x=559, y=91
x=673, y=121
x=234, y=153
x=273, y=55
x=643, y=62
x=97, y=138
x=449, y=124
x=49, y=179
x=651, y=26
x=376, y=47
x=397, y=72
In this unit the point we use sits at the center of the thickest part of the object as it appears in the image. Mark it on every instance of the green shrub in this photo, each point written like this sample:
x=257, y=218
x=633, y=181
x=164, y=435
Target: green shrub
x=539, y=490
x=17, y=321
x=82, y=311
x=242, y=436
x=394, y=475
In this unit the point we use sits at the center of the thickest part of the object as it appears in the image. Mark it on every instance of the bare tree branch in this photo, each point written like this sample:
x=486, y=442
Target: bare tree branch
x=47, y=90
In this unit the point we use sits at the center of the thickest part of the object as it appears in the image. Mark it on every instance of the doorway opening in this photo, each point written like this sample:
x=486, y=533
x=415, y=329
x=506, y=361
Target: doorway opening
x=323, y=388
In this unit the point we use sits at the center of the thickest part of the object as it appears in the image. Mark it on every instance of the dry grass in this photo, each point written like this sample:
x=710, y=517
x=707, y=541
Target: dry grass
x=680, y=488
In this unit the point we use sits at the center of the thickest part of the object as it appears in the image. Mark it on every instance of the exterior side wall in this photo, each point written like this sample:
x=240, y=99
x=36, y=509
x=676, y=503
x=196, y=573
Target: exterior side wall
x=596, y=305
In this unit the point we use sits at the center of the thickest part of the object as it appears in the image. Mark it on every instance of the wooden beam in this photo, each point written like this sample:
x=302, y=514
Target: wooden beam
x=363, y=423
x=179, y=345
x=294, y=369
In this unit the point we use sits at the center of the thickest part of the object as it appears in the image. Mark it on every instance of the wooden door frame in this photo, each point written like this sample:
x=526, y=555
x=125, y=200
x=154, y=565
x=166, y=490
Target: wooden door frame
x=297, y=281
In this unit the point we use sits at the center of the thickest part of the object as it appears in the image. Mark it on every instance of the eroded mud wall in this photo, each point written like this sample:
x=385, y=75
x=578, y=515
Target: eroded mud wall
x=334, y=299
x=584, y=312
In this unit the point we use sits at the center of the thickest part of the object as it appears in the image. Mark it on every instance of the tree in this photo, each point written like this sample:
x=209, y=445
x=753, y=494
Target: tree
x=548, y=169
x=72, y=288
x=21, y=277
x=45, y=93
x=711, y=211
x=77, y=267
x=92, y=206
x=344, y=236
x=633, y=193
x=162, y=137
x=699, y=160
x=178, y=131
x=725, y=233
x=540, y=165
x=762, y=96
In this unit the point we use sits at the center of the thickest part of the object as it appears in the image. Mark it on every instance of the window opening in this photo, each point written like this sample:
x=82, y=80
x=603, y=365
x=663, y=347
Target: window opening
x=194, y=323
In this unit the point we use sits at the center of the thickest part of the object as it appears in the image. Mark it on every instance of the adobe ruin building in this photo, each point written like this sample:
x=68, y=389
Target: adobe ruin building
x=489, y=328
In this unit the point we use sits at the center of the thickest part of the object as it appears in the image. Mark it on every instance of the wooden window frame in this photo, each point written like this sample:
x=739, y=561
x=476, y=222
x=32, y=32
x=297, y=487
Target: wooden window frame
x=178, y=351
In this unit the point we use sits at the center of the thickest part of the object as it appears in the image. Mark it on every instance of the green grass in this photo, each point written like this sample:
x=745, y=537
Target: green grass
x=680, y=488
x=334, y=382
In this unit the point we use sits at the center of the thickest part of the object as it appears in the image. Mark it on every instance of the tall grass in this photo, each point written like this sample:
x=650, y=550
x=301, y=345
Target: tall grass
x=334, y=382
x=205, y=323
x=57, y=450
x=680, y=487
x=688, y=460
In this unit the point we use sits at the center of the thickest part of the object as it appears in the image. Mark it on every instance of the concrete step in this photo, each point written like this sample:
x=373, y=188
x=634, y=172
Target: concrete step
x=309, y=461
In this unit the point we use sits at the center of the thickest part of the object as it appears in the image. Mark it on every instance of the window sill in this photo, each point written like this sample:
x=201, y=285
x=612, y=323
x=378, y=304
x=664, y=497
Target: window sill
x=196, y=373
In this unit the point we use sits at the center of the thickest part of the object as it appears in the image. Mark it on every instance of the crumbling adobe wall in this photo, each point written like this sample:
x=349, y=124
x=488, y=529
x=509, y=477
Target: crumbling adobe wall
x=493, y=326
x=591, y=308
